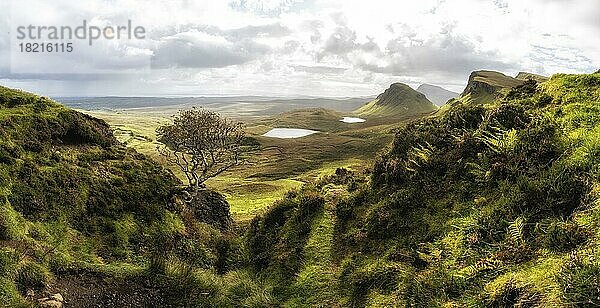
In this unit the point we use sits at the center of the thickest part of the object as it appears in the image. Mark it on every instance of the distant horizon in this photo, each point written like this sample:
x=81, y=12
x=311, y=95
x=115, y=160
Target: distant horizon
x=293, y=96
x=213, y=96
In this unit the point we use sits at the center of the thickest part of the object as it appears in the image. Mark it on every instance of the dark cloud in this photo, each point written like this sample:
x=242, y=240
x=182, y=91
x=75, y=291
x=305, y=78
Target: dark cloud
x=185, y=51
x=62, y=77
x=408, y=55
x=178, y=47
x=268, y=30
x=340, y=42
x=449, y=54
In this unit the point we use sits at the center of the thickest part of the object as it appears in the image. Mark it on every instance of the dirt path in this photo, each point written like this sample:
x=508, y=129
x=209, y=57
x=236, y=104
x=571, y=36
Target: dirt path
x=93, y=290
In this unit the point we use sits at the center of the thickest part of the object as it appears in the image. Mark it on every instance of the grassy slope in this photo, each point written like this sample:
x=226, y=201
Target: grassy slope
x=479, y=206
x=315, y=284
x=84, y=216
x=398, y=101
x=71, y=196
x=487, y=237
x=525, y=76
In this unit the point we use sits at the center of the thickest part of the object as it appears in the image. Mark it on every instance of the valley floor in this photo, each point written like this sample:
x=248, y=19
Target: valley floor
x=279, y=165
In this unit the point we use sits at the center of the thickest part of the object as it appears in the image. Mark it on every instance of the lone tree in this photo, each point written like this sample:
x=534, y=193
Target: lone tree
x=202, y=144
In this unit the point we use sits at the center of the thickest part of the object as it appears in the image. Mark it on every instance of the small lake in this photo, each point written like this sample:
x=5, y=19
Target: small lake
x=287, y=133
x=352, y=120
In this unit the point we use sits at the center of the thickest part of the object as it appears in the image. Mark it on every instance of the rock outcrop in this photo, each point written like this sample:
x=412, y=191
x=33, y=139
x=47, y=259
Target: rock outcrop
x=52, y=301
x=526, y=76
x=481, y=82
x=483, y=86
x=207, y=206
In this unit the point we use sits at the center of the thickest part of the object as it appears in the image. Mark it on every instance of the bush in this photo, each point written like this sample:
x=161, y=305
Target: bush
x=561, y=236
x=512, y=295
x=11, y=98
x=359, y=277
x=544, y=100
x=78, y=128
x=463, y=117
x=432, y=287
x=8, y=262
x=580, y=282
x=31, y=275
x=507, y=116
x=526, y=90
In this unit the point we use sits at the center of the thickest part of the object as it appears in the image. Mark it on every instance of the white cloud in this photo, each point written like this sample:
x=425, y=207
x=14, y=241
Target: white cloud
x=320, y=47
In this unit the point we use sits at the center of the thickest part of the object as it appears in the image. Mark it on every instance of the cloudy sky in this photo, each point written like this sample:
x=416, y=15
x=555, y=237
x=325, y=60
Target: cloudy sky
x=334, y=48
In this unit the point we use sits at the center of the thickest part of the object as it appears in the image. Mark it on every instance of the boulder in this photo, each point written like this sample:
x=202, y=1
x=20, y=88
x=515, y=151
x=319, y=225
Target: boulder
x=51, y=304
x=57, y=297
x=207, y=206
x=52, y=301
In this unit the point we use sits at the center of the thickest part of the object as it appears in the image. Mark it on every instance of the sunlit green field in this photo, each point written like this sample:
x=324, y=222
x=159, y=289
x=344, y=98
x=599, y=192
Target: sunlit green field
x=279, y=165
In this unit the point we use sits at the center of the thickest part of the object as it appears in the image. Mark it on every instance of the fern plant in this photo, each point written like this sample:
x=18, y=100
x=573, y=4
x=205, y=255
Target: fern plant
x=515, y=231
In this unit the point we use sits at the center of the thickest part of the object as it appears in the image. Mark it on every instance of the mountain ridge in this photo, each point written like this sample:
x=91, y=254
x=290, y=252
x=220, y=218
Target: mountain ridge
x=484, y=85
x=399, y=100
x=436, y=94
x=526, y=76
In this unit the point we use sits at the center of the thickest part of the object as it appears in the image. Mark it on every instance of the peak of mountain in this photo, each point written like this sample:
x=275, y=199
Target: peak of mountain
x=437, y=94
x=484, y=85
x=398, y=100
x=493, y=79
x=526, y=76
x=398, y=94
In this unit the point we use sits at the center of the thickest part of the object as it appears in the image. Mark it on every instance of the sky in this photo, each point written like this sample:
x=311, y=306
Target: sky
x=294, y=48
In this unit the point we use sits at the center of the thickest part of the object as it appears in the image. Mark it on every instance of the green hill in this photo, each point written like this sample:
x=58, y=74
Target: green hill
x=399, y=100
x=484, y=86
x=320, y=119
x=84, y=216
